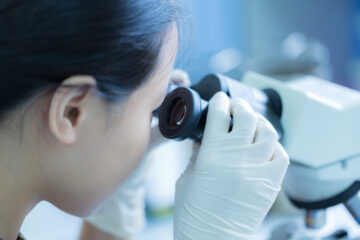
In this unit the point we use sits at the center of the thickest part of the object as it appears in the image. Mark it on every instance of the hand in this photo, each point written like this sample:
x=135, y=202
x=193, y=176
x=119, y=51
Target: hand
x=233, y=180
x=123, y=214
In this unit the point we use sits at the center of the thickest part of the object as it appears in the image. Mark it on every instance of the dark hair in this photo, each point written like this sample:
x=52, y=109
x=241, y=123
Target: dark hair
x=44, y=41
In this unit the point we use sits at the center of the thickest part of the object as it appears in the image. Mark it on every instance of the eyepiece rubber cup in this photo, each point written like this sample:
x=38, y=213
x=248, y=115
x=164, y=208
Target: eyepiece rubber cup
x=180, y=113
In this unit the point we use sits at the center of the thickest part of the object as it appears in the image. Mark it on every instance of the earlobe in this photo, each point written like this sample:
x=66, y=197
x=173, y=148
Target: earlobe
x=66, y=132
x=68, y=107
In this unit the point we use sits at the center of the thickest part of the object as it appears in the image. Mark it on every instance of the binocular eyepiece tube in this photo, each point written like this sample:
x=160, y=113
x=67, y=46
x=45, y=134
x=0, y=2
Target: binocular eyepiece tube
x=183, y=113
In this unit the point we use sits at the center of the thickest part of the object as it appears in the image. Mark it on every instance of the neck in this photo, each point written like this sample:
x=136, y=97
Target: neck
x=15, y=204
x=17, y=193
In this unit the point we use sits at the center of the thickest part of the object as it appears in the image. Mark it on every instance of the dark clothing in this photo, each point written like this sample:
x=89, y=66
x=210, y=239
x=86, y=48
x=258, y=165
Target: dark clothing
x=20, y=237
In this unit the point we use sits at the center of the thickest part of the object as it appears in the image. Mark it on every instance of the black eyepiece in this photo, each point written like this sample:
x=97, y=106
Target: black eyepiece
x=177, y=113
x=180, y=113
x=183, y=112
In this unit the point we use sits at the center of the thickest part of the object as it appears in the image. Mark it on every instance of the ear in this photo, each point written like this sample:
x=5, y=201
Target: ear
x=67, y=108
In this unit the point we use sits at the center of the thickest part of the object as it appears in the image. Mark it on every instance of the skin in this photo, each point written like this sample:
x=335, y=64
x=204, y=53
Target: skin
x=89, y=232
x=73, y=149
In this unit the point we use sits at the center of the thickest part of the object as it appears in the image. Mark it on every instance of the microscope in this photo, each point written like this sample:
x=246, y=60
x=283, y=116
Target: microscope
x=321, y=135
x=319, y=125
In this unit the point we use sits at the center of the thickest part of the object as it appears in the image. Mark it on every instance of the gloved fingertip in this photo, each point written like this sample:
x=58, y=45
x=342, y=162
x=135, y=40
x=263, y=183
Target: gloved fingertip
x=219, y=100
x=280, y=154
x=239, y=102
x=218, y=117
x=265, y=130
x=181, y=77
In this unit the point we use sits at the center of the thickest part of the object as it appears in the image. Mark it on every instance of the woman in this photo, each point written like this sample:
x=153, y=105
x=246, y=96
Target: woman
x=79, y=82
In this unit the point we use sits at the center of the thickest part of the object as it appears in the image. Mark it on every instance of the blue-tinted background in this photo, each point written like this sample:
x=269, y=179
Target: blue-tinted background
x=254, y=30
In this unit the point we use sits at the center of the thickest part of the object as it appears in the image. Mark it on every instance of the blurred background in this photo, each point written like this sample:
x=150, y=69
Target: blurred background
x=276, y=37
x=279, y=38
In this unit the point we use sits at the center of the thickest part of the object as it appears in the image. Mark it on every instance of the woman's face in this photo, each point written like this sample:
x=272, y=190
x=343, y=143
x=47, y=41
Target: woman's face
x=104, y=147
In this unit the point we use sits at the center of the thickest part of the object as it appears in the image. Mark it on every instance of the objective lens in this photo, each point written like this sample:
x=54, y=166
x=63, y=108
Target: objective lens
x=178, y=113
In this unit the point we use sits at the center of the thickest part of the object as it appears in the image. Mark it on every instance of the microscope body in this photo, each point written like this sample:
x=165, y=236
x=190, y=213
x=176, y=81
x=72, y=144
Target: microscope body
x=322, y=137
x=318, y=122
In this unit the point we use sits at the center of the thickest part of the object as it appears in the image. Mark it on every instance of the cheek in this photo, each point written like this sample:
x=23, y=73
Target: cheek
x=124, y=147
x=129, y=143
x=105, y=155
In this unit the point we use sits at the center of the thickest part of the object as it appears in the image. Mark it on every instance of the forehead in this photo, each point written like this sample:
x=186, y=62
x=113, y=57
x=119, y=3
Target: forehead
x=153, y=90
x=167, y=55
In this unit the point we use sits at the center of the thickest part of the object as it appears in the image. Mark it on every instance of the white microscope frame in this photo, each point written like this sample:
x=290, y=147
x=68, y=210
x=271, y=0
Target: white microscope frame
x=321, y=122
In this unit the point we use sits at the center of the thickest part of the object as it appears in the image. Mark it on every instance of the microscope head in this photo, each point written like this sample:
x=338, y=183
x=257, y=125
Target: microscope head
x=320, y=118
x=321, y=127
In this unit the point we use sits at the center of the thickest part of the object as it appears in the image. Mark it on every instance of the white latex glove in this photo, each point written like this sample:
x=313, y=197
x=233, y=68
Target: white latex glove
x=123, y=214
x=228, y=188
